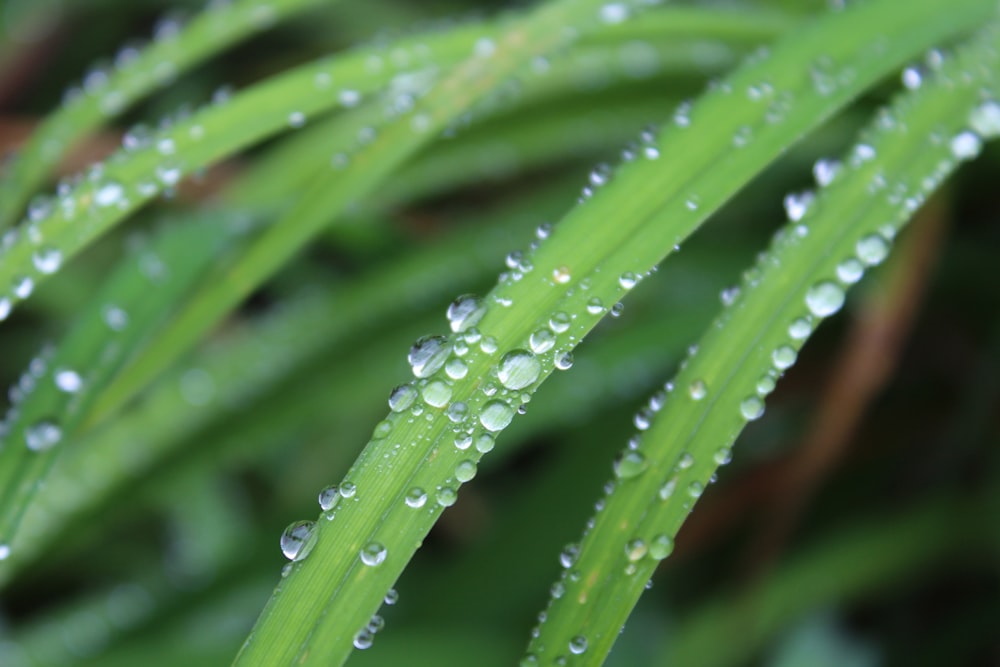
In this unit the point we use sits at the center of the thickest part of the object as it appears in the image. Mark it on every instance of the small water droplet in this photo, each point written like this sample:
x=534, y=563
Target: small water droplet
x=373, y=554
x=68, y=380
x=824, y=298
x=348, y=490
x=542, y=341
x=428, y=355
x=985, y=119
x=578, y=645
x=4, y=551
x=722, y=456
x=391, y=597
x=872, y=249
x=765, y=385
x=561, y=275
x=563, y=360
x=966, y=145
x=824, y=171
x=23, y=287
x=595, y=307
x=784, y=357
x=436, y=394
x=402, y=397
x=298, y=540
x=796, y=204
x=485, y=443
x=329, y=497
x=496, y=416
x=698, y=390
x=42, y=436
x=630, y=464
x=465, y=471
x=109, y=194
x=363, y=640
x=660, y=547
x=695, y=489
x=416, y=498
x=47, y=260
x=800, y=328
x=465, y=311
x=850, y=271
x=446, y=496
x=752, y=408
x=518, y=369
x=635, y=549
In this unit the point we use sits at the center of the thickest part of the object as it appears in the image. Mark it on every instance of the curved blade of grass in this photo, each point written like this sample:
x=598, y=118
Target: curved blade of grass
x=134, y=75
x=56, y=393
x=798, y=282
x=583, y=260
x=129, y=179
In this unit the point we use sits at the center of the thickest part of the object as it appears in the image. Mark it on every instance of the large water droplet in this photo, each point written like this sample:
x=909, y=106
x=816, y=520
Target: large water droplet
x=825, y=298
x=373, y=554
x=465, y=312
x=298, y=539
x=42, y=435
x=428, y=355
x=496, y=416
x=518, y=369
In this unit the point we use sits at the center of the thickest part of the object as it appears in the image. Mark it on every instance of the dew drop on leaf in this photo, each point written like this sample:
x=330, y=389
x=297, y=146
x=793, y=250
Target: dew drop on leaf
x=373, y=554
x=824, y=298
x=465, y=311
x=496, y=416
x=298, y=540
x=518, y=369
x=42, y=436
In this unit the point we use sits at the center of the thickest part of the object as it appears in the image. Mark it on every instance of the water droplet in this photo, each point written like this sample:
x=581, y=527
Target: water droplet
x=488, y=344
x=850, y=271
x=628, y=280
x=436, y=394
x=5, y=307
x=542, y=341
x=765, y=385
x=416, y=498
x=373, y=554
x=391, y=597
x=42, y=436
x=446, y=496
x=824, y=299
x=465, y=311
x=824, y=171
x=68, y=380
x=630, y=464
x=457, y=412
x=465, y=471
x=428, y=355
x=595, y=307
x=635, y=549
x=872, y=249
x=722, y=456
x=47, y=260
x=966, y=145
x=518, y=369
x=559, y=322
x=109, y=194
x=485, y=443
x=685, y=462
x=4, y=551
x=912, y=78
x=561, y=275
x=402, y=397
x=298, y=540
x=800, y=328
x=660, y=547
x=329, y=497
x=752, y=408
x=784, y=357
x=169, y=173
x=796, y=204
x=348, y=490
x=667, y=489
x=349, y=98
x=363, y=640
x=23, y=287
x=614, y=13
x=563, y=360
x=695, y=489
x=496, y=416
x=569, y=554
x=456, y=369
x=578, y=645
x=985, y=119
x=698, y=389
x=296, y=119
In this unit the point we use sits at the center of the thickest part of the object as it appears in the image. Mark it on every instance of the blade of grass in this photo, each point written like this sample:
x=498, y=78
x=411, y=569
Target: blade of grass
x=799, y=281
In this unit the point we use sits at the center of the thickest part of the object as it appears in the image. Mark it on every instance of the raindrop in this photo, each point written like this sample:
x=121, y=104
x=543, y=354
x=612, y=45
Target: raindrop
x=68, y=380
x=796, y=204
x=578, y=645
x=630, y=464
x=428, y=355
x=698, y=389
x=457, y=412
x=752, y=408
x=436, y=394
x=635, y=549
x=363, y=640
x=628, y=280
x=391, y=597
x=800, y=328
x=563, y=360
x=349, y=98
x=402, y=397
x=496, y=416
x=765, y=385
x=446, y=496
x=456, y=368
x=722, y=456
x=485, y=443
x=911, y=78
x=348, y=490
x=559, y=322
x=595, y=307
x=784, y=357
x=569, y=554
x=465, y=312
x=416, y=498
x=329, y=497
x=695, y=489
x=373, y=554
x=966, y=145
x=5, y=308
x=614, y=12
x=518, y=369
x=47, y=260
x=488, y=344
x=42, y=436
x=542, y=341
x=561, y=275
x=685, y=462
x=824, y=171
x=850, y=271
x=296, y=119
x=23, y=287
x=985, y=119
x=824, y=299
x=660, y=547
x=4, y=551
x=298, y=540
x=465, y=471
x=872, y=249
x=109, y=194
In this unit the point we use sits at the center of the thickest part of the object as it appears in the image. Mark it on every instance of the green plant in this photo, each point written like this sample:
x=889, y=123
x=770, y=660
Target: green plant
x=244, y=337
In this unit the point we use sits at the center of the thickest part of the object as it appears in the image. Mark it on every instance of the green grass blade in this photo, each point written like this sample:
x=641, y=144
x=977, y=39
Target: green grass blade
x=570, y=277
x=800, y=281
x=135, y=75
